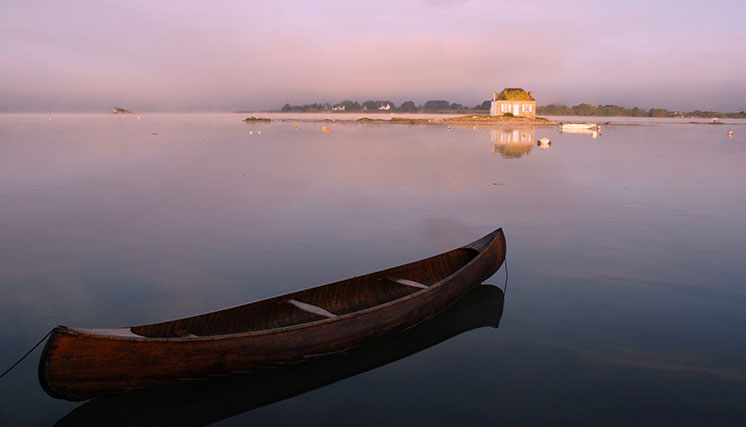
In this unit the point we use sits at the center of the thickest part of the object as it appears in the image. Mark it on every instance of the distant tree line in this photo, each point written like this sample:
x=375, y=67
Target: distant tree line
x=385, y=106
x=440, y=105
x=616, y=110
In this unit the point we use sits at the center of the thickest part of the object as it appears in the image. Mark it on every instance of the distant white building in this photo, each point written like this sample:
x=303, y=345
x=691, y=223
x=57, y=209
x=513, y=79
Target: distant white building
x=385, y=107
x=338, y=108
x=515, y=101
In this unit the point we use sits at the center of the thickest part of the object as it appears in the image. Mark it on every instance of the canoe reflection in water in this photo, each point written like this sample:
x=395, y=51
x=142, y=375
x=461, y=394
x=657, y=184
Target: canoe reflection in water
x=214, y=399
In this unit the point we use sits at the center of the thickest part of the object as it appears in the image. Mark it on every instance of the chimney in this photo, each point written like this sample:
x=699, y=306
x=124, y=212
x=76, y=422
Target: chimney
x=530, y=94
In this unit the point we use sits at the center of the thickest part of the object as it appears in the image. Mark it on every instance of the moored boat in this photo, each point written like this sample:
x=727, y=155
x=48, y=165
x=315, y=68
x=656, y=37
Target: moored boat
x=578, y=126
x=78, y=364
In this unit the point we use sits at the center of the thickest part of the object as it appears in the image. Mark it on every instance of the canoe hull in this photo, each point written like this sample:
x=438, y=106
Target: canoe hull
x=209, y=401
x=77, y=365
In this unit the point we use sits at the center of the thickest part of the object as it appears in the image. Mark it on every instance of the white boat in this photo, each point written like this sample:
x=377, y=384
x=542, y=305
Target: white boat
x=577, y=126
x=591, y=129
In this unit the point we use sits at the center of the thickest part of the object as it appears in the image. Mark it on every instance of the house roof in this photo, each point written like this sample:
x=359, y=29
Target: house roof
x=514, y=94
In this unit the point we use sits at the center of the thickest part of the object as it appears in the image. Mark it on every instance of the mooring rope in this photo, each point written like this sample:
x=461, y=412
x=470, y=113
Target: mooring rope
x=27, y=353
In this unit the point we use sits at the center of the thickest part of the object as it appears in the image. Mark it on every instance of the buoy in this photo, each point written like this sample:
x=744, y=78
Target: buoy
x=296, y=126
x=325, y=129
x=730, y=134
x=258, y=132
x=251, y=132
x=138, y=117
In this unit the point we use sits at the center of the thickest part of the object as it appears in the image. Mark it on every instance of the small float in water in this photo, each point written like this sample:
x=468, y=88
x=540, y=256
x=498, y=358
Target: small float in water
x=543, y=143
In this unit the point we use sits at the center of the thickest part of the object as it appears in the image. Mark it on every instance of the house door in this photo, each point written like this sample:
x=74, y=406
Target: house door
x=515, y=110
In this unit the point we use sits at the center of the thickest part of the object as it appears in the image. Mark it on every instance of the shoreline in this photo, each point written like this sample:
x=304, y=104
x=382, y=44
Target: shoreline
x=475, y=121
x=470, y=120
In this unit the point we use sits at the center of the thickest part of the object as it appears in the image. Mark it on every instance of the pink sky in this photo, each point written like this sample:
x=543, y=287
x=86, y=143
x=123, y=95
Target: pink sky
x=225, y=56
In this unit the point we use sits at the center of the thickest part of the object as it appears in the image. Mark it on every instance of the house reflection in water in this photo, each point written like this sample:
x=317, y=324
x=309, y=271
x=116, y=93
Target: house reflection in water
x=513, y=143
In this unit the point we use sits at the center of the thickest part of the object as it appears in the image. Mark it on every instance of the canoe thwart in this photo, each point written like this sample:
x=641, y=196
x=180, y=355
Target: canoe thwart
x=411, y=283
x=312, y=308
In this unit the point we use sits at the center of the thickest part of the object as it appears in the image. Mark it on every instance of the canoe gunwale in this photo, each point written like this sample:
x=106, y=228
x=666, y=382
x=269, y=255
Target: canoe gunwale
x=479, y=245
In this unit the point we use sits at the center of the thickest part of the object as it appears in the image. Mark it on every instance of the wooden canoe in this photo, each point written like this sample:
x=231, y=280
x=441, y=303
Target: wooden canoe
x=199, y=403
x=77, y=364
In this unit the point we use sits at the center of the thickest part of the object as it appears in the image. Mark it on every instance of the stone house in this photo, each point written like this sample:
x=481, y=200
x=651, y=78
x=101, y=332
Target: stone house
x=515, y=101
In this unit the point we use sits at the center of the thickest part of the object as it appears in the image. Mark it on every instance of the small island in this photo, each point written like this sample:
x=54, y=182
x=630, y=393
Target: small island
x=476, y=120
x=252, y=119
x=120, y=110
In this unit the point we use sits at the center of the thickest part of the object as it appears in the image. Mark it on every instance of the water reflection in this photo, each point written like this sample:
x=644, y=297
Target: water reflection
x=513, y=143
x=594, y=132
x=212, y=400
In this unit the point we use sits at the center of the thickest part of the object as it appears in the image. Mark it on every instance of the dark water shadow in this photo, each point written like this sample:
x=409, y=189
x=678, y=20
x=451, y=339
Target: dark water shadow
x=211, y=400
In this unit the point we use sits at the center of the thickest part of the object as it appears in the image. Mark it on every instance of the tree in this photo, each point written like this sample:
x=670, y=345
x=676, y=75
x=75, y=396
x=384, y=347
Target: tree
x=555, y=110
x=658, y=112
x=610, y=110
x=351, y=105
x=370, y=105
x=408, y=107
x=486, y=105
x=585, y=110
x=437, y=105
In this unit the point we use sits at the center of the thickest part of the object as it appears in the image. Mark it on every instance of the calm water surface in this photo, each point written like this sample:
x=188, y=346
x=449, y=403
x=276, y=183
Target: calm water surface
x=626, y=302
